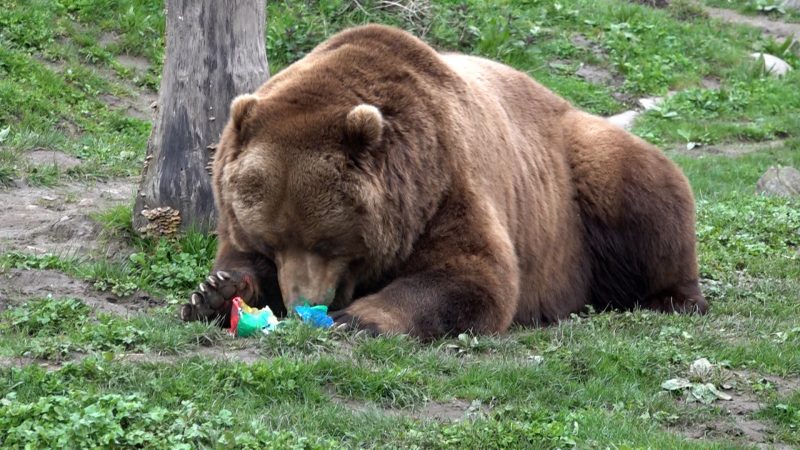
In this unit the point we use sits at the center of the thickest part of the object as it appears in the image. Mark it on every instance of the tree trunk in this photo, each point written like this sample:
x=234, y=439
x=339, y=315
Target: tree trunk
x=215, y=51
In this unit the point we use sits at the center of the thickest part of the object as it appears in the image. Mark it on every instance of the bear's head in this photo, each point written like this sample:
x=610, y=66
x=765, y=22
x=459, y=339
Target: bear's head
x=304, y=186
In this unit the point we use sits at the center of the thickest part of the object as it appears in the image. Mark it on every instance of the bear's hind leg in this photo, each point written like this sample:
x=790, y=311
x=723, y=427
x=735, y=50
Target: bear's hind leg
x=682, y=298
x=638, y=212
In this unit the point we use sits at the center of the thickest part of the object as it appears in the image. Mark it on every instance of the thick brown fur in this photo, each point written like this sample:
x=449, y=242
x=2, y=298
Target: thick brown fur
x=428, y=194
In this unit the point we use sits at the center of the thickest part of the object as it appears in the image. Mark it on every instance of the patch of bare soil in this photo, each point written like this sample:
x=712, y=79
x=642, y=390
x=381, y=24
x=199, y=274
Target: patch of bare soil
x=56, y=219
x=136, y=63
x=582, y=41
x=784, y=386
x=139, y=105
x=732, y=150
x=777, y=29
x=653, y=3
x=451, y=411
x=215, y=353
x=44, y=157
x=108, y=38
x=739, y=424
x=141, y=101
x=247, y=356
x=594, y=74
x=710, y=83
x=604, y=77
x=17, y=285
x=600, y=75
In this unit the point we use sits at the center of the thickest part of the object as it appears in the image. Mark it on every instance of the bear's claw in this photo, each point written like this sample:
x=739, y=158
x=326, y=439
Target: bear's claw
x=344, y=320
x=212, y=295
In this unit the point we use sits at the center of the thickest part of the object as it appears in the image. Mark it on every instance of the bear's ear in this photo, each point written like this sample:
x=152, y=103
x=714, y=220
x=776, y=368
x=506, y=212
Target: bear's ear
x=364, y=125
x=241, y=107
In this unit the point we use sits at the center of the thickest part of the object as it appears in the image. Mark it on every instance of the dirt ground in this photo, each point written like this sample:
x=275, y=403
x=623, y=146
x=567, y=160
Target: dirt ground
x=775, y=28
x=737, y=420
x=58, y=219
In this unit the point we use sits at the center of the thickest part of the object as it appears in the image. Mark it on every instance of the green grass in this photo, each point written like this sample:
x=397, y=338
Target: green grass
x=51, y=90
x=72, y=376
x=60, y=59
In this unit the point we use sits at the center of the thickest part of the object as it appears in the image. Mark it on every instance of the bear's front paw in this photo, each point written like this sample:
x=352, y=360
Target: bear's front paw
x=212, y=298
x=371, y=317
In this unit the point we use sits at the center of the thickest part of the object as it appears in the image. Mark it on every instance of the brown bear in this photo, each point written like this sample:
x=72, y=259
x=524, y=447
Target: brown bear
x=429, y=194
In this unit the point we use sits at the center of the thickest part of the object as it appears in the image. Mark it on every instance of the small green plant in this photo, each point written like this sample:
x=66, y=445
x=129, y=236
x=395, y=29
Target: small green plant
x=51, y=348
x=19, y=260
x=786, y=412
x=78, y=419
x=297, y=337
x=112, y=333
x=738, y=234
x=169, y=267
x=47, y=175
x=467, y=343
x=507, y=428
x=117, y=222
x=769, y=7
x=7, y=175
x=47, y=316
x=687, y=10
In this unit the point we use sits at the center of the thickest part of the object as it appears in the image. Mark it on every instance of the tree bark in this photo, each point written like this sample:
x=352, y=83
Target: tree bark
x=215, y=51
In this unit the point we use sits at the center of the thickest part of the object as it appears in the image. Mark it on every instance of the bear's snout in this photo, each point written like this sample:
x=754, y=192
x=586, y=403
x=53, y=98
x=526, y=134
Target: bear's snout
x=305, y=277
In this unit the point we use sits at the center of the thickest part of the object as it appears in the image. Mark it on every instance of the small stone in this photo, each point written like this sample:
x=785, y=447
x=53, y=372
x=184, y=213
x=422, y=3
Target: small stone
x=624, y=120
x=649, y=103
x=779, y=181
x=774, y=65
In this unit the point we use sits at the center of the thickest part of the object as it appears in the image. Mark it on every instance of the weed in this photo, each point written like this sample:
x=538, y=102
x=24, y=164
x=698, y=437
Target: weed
x=111, y=333
x=47, y=316
x=296, y=337
x=758, y=236
x=168, y=266
x=81, y=419
x=19, y=260
x=786, y=413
